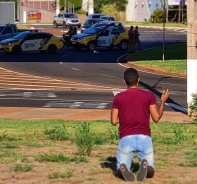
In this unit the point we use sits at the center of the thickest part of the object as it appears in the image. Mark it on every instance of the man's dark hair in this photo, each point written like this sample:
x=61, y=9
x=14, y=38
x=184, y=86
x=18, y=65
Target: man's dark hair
x=131, y=76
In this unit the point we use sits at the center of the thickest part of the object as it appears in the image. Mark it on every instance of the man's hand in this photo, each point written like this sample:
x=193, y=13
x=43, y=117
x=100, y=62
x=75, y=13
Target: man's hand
x=164, y=96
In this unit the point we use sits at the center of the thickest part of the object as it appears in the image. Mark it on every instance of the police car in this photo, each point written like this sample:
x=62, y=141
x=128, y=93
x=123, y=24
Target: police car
x=32, y=41
x=109, y=37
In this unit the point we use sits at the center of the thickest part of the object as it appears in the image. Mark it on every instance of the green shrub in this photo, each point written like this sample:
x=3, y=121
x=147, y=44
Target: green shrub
x=158, y=16
x=80, y=11
x=84, y=138
x=67, y=174
x=77, y=3
x=112, y=9
x=23, y=168
x=114, y=134
x=193, y=106
x=57, y=133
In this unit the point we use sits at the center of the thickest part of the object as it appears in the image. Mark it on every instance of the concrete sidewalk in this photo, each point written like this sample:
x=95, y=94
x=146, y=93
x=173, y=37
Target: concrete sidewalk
x=75, y=114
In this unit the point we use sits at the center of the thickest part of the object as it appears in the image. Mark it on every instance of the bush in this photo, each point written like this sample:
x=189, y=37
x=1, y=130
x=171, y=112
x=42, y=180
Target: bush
x=80, y=11
x=111, y=9
x=157, y=16
x=193, y=106
x=84, y=138
x=77, y=3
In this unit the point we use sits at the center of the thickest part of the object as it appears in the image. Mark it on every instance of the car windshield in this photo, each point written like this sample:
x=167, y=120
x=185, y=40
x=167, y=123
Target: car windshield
x=70, y=15
x=91, y=22
x=107, y=23
x=92, y=31
x=21, y=35
x=101, y=23
x=102, y=17
x=1, y=28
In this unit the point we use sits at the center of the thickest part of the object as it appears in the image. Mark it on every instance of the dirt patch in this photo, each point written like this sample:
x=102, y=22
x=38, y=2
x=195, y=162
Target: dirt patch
x=99, y=168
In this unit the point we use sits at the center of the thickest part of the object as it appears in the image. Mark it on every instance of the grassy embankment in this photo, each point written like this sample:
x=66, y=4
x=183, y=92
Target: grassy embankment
x=175, y=59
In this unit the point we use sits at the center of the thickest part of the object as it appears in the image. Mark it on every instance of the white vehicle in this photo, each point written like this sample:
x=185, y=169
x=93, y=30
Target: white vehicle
x=66, y=20
x=94, y=16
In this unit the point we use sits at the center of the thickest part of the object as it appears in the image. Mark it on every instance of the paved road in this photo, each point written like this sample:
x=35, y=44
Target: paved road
x=93, y=77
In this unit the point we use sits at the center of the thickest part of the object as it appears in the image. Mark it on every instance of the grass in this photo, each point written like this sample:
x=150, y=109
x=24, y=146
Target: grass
x=168, y=138
x=148, y=23
x=175, y=60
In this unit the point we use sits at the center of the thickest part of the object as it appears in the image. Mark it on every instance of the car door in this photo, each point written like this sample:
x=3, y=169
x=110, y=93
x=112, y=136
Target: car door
x=103, y=39
x=42, y=39
x=60, y=18
x=7, y=33
x=115, y=33
x=30, y=43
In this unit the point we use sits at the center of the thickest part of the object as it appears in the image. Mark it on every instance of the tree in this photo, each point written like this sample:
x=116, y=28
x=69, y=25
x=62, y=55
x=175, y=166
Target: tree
x=158, y=15
x=120, y=5
x=111, y=9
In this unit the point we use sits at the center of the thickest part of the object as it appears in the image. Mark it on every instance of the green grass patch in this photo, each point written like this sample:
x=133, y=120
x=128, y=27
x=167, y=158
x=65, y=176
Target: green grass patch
x=59, y=175
x=100, y=137
x=175, y=60
x=148, y=23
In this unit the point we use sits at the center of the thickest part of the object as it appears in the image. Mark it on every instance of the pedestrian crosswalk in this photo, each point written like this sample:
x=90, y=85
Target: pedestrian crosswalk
x=16, y=80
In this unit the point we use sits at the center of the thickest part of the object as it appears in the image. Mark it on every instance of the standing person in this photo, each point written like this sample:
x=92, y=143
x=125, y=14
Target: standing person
x=136, y=37
x=131, y=40
x=132, y=109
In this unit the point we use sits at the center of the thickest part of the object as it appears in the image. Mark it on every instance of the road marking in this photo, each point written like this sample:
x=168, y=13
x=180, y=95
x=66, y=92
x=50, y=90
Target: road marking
x=26, y=81
x=180, y=108
x=75, y=68
x=115, y=92
x=78, y=104
x=65, y=55
x=110, y=76
x=27, y=94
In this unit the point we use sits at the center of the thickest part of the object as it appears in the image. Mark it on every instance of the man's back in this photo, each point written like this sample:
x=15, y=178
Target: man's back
x=133, y=106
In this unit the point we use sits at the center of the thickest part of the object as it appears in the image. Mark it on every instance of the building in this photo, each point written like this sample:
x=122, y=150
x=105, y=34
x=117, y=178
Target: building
x=141, y=10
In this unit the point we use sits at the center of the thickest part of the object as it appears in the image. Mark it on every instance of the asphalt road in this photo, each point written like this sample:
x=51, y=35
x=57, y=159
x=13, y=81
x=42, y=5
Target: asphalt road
x=87, y=79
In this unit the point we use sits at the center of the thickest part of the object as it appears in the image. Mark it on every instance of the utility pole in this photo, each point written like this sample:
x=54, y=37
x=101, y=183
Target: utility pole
x=90, y=6
x=191, y=50
x=57, y=7
x=164, y=22
x=65, y=6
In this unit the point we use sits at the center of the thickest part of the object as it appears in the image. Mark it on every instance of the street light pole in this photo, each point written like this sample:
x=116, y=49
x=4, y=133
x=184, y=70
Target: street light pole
x=90, y=6
x=164, y=20
x=182, y=10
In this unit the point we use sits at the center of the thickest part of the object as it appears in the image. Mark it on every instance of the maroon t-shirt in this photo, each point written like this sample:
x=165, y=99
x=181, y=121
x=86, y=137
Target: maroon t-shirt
x=133, y=108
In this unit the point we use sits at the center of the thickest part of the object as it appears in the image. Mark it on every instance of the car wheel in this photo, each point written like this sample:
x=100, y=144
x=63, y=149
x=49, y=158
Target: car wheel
x=110, y=47
x=124, y=44
x=77, y=47
x=64, y=25
x=55, y=25
x=52, y=49
x=42, y=51
x=16, y=49
x=91, y=46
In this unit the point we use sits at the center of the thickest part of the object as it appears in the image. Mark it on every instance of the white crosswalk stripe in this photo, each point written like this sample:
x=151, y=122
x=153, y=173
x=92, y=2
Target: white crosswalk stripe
x=16, y=80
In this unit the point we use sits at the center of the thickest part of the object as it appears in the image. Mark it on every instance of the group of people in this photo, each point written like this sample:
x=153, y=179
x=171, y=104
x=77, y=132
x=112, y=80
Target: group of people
x=133, y=36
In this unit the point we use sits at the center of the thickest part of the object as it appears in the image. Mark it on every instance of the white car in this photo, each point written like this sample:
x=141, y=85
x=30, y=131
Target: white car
x=109, y=23
x=94, y=16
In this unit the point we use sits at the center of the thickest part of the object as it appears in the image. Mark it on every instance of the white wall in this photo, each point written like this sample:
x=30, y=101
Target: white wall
x=7, y=12
x=137, y=10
